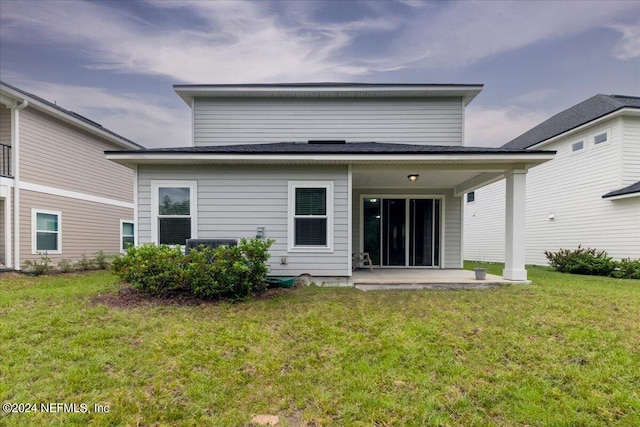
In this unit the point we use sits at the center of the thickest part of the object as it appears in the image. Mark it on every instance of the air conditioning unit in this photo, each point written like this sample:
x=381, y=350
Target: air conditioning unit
x=211, y=243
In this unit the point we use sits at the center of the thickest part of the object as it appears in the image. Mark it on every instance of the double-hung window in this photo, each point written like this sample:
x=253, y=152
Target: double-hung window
x=174, y=208
x=311, y=216
x=127, y=235
x=46, y=232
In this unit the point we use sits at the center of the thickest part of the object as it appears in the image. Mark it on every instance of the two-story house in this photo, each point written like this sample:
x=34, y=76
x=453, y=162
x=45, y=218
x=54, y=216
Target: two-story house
x=328, y=170
x=588, y=195
x=59, y=196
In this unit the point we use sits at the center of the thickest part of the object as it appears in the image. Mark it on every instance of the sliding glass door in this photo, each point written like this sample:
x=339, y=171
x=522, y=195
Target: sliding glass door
x=402, y=232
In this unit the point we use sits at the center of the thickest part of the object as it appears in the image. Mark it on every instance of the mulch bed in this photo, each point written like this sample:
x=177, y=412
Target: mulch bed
x=129, y=297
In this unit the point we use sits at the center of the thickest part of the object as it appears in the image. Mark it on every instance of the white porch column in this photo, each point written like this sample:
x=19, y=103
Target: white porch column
x=515, y=231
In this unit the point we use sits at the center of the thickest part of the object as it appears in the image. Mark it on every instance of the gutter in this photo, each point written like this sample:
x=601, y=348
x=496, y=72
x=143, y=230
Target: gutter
x=15, y=144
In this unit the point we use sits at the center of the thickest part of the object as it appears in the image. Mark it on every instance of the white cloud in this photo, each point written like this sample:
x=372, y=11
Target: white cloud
x=532, y=96
x=239, y=42
x=493, y=127
x=629, y=45
x=141, y=119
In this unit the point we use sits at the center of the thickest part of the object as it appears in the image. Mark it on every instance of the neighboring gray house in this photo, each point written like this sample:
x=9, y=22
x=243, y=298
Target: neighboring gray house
x=588, y=195
x=59, y=196
x=328, y=170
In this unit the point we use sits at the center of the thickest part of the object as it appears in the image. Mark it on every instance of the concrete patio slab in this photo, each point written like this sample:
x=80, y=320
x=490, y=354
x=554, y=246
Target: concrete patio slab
x=389, y=279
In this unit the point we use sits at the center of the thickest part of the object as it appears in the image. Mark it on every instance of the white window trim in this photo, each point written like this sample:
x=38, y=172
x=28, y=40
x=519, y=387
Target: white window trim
x=592, y=138
x=193, y=202
x=122, y=235
x=34, y=231
x=581, y=150
x=293, y=185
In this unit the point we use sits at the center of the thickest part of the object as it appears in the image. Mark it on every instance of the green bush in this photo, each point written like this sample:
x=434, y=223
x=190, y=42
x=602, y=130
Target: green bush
x=36, y=267
x=226, y=272
x=157, y=270
x=627, y=269
x=581, y=261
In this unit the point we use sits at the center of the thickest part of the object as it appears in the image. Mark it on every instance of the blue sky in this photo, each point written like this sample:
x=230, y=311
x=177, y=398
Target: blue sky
x=116, y=61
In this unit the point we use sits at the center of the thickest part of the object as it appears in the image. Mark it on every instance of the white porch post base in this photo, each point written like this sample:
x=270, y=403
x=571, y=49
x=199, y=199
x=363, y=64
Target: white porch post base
x=515, y=225
x=514, y=274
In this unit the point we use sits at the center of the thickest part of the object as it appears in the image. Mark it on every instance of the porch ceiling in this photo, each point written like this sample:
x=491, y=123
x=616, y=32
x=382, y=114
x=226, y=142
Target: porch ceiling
x=458, y=178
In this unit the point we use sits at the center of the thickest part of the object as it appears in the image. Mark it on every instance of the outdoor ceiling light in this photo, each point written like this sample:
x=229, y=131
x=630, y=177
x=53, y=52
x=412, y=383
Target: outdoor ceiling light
x=413, y=177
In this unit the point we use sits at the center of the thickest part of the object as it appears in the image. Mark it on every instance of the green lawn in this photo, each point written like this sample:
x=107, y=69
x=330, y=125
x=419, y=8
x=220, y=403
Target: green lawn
x=564, y=351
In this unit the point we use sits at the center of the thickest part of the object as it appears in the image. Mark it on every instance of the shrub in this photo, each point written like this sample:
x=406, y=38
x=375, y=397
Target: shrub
x=86, y=263
x=157, y=270
x=627, y=269
x=226, y=272
x=65, y=265
x=38, y=267
x=581, y=261
x=101, y=261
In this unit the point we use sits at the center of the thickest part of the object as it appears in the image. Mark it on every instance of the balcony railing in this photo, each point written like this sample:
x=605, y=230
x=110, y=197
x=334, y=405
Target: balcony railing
x=5, y=160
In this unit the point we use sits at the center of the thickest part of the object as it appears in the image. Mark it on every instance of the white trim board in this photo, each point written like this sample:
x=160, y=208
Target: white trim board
x=73, y=195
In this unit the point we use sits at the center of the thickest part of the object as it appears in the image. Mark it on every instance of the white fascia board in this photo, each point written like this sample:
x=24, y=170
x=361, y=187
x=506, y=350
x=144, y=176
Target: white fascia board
x=467, y=92
x=626, y=111
x=386, y=159
x=622, y=196
x=66, y=118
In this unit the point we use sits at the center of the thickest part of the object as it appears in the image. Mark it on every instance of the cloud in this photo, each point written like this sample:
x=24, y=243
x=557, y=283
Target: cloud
x=468, y=32
x=493, y=127
x=628, y=47
x=141, y=118
x=239, y=42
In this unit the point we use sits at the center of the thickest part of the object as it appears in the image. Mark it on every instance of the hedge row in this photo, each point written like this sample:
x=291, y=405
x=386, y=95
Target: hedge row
x=226, y=272
x=593, y=262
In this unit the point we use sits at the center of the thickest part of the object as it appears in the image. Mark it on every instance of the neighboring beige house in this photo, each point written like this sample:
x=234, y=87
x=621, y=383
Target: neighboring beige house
x=58, y=194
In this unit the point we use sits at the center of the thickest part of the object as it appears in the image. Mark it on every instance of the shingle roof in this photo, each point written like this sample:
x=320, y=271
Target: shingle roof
x=69, y=113
x=332, y=148
x=578, y=115
x=632, y=189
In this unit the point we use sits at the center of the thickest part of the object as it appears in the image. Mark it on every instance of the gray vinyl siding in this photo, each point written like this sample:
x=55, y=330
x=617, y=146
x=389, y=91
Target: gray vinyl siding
x=452, y=220
x=59, y=155
x=86, y=227
x=234, y=200
x=570, y=187
x=5, y=126
x=434, y=121
x=630, y=151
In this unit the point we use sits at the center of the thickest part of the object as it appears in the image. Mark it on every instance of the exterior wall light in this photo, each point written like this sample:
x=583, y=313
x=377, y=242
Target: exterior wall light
x=413, y=177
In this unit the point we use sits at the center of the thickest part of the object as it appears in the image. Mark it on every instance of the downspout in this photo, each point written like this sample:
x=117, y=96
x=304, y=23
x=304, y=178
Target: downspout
x=15, y=148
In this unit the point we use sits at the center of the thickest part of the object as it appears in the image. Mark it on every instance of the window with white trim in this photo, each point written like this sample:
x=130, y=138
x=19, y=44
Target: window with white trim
x=311, y=216
x=600, y=138
x=127, y=234
x=46, y=232
x=174, y=210
x=577, y=146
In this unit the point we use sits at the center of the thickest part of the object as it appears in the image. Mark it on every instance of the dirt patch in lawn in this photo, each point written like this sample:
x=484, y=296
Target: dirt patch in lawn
x=129, y=297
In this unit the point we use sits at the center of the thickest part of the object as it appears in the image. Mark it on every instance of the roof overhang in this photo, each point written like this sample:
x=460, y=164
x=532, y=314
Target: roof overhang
x=10, y=97
x=329, y=90
x=462, y=172
x=625, y=111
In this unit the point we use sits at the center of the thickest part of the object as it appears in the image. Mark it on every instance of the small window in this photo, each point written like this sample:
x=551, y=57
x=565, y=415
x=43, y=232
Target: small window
x=310, y=207
x=46, y=232
x=600, y=138
x=471, y=197
x=174, y=212
x=127, y=235
x=577, y=146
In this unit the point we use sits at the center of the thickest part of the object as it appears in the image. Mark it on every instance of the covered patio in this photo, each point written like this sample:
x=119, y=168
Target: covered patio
x=420, y=278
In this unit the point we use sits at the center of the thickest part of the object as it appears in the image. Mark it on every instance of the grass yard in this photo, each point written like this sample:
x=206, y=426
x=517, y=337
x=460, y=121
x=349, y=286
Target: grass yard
x=564, y=351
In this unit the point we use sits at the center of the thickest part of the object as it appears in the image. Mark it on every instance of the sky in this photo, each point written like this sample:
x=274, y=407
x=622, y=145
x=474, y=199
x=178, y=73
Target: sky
x=116, y=61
